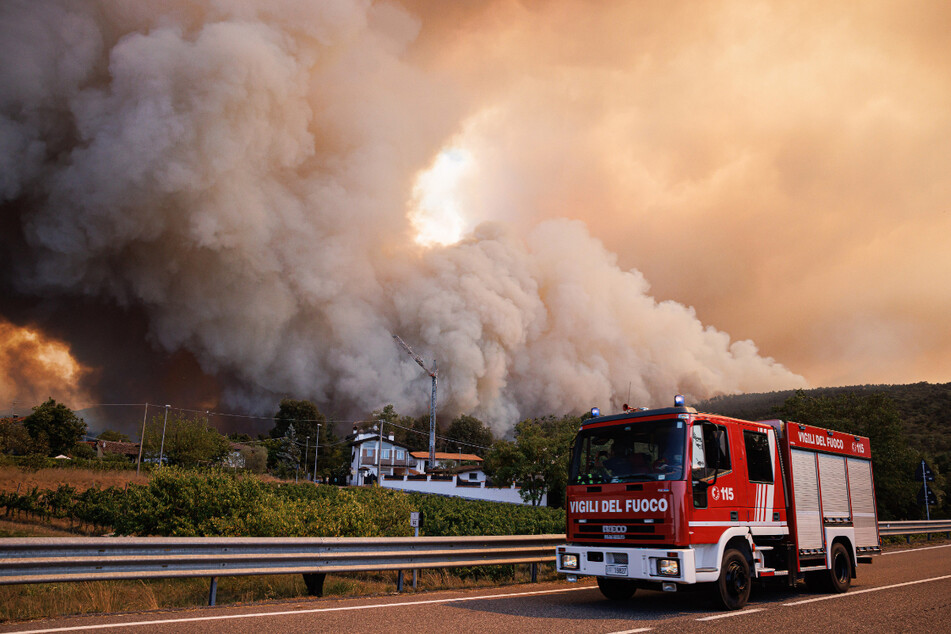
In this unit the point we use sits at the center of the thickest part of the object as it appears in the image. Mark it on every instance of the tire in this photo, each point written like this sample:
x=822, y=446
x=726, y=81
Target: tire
x=836, y=580
x=732, y=589
x=840, y=577
x=616, y=589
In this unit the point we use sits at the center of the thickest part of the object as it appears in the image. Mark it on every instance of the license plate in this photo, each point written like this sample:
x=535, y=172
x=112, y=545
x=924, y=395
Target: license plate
x=617, y=571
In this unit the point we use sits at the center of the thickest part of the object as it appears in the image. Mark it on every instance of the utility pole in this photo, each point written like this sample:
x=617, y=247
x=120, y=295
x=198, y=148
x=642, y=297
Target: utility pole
x=432, y=403
x=306, y=451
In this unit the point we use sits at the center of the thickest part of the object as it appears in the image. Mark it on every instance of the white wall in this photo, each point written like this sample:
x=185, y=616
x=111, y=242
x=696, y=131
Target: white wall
x=448, y=487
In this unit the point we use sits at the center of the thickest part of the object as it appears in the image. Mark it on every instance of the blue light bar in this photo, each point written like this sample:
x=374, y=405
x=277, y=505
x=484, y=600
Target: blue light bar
x=595, y=412
x=679, y=400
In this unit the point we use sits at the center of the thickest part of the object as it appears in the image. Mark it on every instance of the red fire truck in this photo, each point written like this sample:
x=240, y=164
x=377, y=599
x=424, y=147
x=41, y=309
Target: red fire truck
x=663, y=498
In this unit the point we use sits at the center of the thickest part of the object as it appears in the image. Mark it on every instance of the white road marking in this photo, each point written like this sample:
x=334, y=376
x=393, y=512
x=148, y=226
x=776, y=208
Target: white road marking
x=852, y=593
x=914, y=550
x=729, y=614
x=224, y=617
x=640, y=629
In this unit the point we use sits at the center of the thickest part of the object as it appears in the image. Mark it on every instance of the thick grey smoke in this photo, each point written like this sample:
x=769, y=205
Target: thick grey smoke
x=241, y=171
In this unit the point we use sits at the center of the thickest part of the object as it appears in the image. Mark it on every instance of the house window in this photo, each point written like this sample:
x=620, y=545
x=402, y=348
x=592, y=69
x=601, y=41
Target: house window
x=386, y=454
x=370, y=452
x=473, y=475
x=399, y=454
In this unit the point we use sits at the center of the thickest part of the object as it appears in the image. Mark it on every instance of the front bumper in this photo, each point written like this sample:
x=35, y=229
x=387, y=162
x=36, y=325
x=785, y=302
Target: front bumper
x=643, y=564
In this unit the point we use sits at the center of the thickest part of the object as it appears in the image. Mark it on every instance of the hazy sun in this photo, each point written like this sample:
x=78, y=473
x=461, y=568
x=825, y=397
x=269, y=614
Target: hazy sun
x=435, y=210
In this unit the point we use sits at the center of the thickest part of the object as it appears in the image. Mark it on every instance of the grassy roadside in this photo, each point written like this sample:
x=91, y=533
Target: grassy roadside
x=34, y=601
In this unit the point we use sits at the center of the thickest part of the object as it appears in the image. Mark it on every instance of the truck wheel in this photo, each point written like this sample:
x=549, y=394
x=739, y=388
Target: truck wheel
x=733, y=586
x=840, y=577
x=836, y=580
x=616, y=589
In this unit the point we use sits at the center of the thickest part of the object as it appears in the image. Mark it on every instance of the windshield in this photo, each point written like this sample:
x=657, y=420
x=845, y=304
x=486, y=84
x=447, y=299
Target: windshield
x=636, y=452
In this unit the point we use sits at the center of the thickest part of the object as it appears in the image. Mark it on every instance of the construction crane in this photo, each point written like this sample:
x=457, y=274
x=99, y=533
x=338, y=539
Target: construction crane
x=432, y=404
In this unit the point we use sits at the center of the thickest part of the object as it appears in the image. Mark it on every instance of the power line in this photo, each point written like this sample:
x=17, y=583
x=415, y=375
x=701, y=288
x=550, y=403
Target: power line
x=275, y=419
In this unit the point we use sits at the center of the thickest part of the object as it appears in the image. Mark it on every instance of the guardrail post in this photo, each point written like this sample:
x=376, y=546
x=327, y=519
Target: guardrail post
x=315, y=583
x=535, y=572
x=399, y=581
x=213, y=591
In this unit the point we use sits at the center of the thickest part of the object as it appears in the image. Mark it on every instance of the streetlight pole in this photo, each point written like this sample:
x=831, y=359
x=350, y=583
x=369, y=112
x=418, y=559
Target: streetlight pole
x=138, y=462
x=306, y=451
x=162, y=446
x=316, y=445
x=379, y=450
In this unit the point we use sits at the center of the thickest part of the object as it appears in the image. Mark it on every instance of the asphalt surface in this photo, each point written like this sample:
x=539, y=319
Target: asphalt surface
x=903, y=591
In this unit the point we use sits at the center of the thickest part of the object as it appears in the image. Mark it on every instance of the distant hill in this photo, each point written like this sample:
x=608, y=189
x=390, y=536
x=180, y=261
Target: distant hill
x=925, y=409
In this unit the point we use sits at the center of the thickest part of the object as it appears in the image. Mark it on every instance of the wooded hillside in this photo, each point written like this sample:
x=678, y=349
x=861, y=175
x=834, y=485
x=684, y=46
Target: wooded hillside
x=923, y=409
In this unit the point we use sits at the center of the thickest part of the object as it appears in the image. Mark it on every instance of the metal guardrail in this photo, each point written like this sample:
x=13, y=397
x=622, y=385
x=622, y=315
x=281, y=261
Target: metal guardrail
x=913, y=527
x=56, y=559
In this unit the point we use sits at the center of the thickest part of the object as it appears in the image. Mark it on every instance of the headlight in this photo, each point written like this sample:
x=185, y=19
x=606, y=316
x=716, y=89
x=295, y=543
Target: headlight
x=668, y=567
x=569, y=561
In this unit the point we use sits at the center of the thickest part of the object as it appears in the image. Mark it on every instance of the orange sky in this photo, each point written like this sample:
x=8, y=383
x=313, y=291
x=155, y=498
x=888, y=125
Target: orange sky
x=781, y=167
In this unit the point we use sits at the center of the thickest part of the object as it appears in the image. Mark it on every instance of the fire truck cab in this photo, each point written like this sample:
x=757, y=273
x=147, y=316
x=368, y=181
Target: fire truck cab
x=665, y=498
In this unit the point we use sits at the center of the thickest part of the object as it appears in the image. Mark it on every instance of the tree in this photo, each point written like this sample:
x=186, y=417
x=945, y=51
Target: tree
x=333, y=456
x=16, y=440
x=303, y=415
x=56, y=426
x=472, y=433
x=189, y=442
x=876, y=416
x=83, y=451
x=288, y=455
x=411, y=432
x=537, y=461
x=255, y=458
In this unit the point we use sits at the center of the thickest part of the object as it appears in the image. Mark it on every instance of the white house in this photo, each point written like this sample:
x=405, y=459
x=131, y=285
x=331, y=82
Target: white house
x=381, y=460
x=372, y=455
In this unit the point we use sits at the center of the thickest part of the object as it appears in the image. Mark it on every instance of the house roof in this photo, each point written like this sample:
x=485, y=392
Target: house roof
x=462, y=457
x=124, y=448
x=373, y=440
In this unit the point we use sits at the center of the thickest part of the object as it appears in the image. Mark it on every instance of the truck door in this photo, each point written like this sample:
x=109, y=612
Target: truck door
x=761, y=462
x=716, y=499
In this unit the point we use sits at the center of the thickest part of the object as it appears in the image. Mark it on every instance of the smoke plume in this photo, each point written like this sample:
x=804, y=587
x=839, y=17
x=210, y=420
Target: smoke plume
x=243, y=173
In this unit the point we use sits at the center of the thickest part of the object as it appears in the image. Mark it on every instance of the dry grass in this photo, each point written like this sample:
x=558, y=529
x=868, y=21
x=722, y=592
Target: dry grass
x=26, y=528
x=26, y=602
x=12, y=478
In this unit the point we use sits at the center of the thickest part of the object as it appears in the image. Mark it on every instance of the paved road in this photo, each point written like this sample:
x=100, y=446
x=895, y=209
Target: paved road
x=902, y=591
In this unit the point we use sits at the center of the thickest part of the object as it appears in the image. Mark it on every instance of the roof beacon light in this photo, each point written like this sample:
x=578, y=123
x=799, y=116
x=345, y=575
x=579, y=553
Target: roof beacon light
x=679, y=400
x=595, y=412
